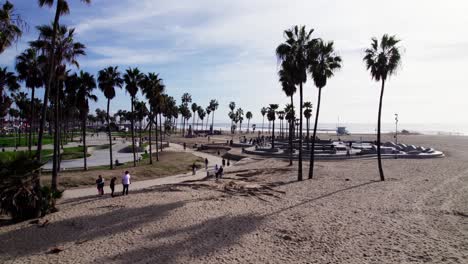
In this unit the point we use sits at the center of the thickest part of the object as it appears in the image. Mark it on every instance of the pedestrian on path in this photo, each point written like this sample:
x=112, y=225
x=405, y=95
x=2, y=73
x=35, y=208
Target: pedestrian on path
x=206, y=163
x=194, y=169
x=112, y=185
x=125, y=183
x=100, y=185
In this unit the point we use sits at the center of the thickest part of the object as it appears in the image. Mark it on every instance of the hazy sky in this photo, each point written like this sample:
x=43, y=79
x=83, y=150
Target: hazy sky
x=226, y=50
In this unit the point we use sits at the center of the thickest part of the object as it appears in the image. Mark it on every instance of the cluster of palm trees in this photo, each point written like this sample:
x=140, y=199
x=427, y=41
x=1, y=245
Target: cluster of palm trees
x=301, y=56
x=237, y=116
x=199, y=114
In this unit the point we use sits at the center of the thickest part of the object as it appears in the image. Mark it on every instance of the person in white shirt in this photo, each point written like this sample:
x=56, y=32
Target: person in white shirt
x=125, y=182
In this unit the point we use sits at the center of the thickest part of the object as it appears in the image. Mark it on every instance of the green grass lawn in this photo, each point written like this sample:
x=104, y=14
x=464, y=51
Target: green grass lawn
x=10, y=141
x=67, y=154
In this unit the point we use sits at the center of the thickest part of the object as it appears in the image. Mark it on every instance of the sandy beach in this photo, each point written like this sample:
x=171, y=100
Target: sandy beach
x=259, y=213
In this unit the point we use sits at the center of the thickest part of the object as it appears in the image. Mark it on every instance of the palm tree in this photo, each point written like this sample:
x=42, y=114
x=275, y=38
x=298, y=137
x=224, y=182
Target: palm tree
x=382, y=59
x=194, y=109
x=214, y=106
x=289, y=116
x=272, y=117
x=240, y=117
x=152, y=88
x=133, y=78
x=232, y=106
x=61, y=9
x=86, y=85
x=201, y=114
x=286, y=77
x=10, y=26
x=9, y=81
x=263, y=111
x=249, y=116
x=208, y=112
x=186, y=99
x=307, y=115
x=322, y=67
x=295, y=51
x=281, y=118
x=109, y=79
x=30, y=71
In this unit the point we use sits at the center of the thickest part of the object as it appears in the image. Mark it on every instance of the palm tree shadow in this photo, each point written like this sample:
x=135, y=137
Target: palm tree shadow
x=321, y=197
x=194, y=241
x=82, y=228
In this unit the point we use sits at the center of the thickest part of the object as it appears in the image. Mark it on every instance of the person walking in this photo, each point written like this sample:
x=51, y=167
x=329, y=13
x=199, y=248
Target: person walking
x=194, y=169
x=125, y=183
x=100, y=185
x=206, y=163
x=112, y=185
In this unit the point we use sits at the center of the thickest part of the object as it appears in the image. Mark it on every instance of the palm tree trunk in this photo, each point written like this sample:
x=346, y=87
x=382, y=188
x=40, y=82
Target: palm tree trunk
x=47, y=88
x=56, y=156
x=109, y=133
x=212, y=122
x=312, y=152
x=31, y=120
x=133, y=134
x=160, y=131
x=379, y=157
x=263, y=123
x=308, y=138
x=291, y=126
x=85, y=164
x=248, y=125
x=156, y=134
x=273, y=136
x=149, y=140
x=299, y=173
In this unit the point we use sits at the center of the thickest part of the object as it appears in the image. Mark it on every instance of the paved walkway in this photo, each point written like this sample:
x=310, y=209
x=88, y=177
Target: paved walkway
x=90, y=191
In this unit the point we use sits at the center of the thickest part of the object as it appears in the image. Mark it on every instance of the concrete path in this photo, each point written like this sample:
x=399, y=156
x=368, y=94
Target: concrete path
x=98, y=157
x=92, y=191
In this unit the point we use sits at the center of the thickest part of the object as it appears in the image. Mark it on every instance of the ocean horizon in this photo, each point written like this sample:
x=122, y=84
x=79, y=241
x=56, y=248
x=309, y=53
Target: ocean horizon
x=363, y=128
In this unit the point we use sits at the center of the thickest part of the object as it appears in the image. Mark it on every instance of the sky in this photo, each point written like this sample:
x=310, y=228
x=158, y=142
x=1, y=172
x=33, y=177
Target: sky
x=225, y=50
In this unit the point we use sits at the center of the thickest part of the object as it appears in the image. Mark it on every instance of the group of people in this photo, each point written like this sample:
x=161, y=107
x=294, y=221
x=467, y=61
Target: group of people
x=125, y=183
x=218, y=169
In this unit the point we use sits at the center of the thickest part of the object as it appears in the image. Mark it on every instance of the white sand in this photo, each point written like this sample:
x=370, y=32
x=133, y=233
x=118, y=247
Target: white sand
x=419, y=215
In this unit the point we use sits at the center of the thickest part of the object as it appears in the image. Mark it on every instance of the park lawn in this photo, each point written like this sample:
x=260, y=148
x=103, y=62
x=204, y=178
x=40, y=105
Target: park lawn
x=171, y=163
x=67, y=154
x=10, y=155
x=9, y=141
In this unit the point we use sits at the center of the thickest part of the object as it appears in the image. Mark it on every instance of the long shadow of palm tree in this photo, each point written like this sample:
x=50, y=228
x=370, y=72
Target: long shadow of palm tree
x=82, y=228
x=194, y=241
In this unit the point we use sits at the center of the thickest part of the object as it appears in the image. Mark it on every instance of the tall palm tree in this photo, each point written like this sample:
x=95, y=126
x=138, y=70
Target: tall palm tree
x=263, y=111
x=108, y=79
x=295, y=50
x=290, y=116
x=272, y=117
x=201, y=114
x=66, y=52
x=86, y=85
x=325, y=63
x=240, y=117
x=286, y=78
x=214, y=106
x=61, y=9
x=186, y=99
x=133, y=78
x=10, y=26
x=194, y=110
x=232, y=106
x=281, y=118
x=382, y=59
x=30, y=71
x=9, y=81
x=249, y=116
x=308, y=115
x=208, y=112
x=152, y=89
